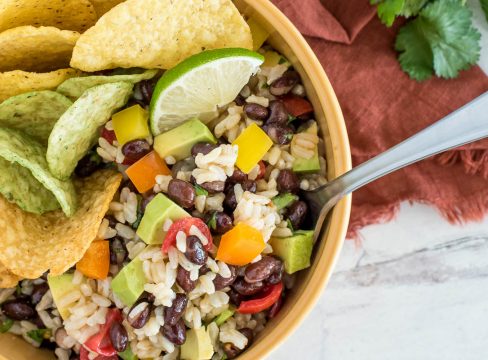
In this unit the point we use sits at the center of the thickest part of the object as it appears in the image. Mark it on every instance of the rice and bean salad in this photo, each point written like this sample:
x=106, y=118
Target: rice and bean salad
x=188, y=287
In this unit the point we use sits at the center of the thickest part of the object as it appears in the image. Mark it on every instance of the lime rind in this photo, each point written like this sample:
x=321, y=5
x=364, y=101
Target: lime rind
x=199, y=84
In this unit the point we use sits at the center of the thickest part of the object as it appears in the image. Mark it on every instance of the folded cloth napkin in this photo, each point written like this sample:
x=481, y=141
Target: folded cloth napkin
x=383, y=106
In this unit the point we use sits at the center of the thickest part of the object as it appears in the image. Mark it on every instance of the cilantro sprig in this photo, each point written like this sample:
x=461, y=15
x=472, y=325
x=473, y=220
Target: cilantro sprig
x=440, y=40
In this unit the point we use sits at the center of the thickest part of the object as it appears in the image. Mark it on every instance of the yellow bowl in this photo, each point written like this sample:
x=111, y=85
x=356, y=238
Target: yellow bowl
x=310, y=283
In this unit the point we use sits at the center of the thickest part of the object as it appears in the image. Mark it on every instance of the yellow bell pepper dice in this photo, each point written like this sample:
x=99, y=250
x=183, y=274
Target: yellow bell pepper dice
x=130, y=124
x=259, y=34
x=253, y=144
x=240, y=245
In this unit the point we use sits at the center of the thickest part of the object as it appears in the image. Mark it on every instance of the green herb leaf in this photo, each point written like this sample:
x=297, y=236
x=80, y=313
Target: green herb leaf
x=484, y=6
x=200, y=190
x=291, y=118
x=127, y=354
x=39, y=334
x=212, y=222
x=389, y=9
x=6, y=325
x=441, y=40
x=290, y=225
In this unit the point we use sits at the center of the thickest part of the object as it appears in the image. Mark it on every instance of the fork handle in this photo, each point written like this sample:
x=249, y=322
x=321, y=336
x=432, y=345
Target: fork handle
x=465, y=125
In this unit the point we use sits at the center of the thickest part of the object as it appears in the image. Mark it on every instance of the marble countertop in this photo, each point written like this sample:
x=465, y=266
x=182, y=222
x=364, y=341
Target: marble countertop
x=415, y=288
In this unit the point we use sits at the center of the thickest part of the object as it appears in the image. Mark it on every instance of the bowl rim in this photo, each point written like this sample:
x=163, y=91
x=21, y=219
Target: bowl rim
x=339, y=218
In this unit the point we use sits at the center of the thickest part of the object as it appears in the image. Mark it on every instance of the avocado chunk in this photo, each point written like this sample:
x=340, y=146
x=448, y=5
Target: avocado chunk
x=224, y=316
x=295, y=251
x=158, y=210
x=60, y=286
x=128, y=285
x=284, y=200
x=178, y=142
x=302, y=165
x=197, y=346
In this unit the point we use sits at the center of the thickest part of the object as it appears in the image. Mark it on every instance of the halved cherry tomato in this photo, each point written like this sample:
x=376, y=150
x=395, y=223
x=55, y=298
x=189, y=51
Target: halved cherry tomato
x=84, y=355
x=296, y=105
x=100, y=343
x=269, y=297
x=108, y=135
x=185, y=225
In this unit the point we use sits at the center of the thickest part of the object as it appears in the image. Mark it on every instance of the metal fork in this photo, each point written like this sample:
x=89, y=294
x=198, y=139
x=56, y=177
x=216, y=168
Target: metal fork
x=465, y=125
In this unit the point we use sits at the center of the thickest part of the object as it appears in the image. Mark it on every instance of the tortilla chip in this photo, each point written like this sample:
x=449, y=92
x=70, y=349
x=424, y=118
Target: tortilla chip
x=102, y=6
x=36, y=49
x=7, y=279
x=159, y=33
x=34, y=113
x=74, y=87
x=19, y=82
x=23, y=150
x=77, y=15
x=79, y=128
x=32, y=244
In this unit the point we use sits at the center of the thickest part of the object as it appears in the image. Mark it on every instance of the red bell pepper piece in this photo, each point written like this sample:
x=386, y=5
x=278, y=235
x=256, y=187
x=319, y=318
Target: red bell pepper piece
x=84, y=355
x=185, y=225
x=296, y=105
x=270, y=296
x=108, y=135
x=100, y=343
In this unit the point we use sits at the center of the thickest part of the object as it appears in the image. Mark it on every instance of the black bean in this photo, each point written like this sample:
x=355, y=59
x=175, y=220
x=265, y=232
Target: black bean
x=145, y=201
x=230, y=201
x=214, y=187
x=262, y=269
x=280, y=134
x=235, y=298
x=296, y=213
x=175, y=333
x=231, y=351
x=37, y=321
x=88, y=164
x=137, y=321
x=174, y=313
x=118, y=251
x=275, y=308
x=247, y=333
x=238, y=176
x=256, y=111
x=181, y=192
x=245, y=288
x=134, y=150
x=18, y=310
x=183, y=279
x=202, y=148
x=195, y=251
x=187, y=164
x=249, y=185
x=38, y=291
x=239, y=100
x=147, y=88
x=145, y=296
x=222, y=282
x=287, y=181
x=277, y=113
x=285, y=83
x=203, y=270
x=118, y=336
x=276, y=276
x=223, y=222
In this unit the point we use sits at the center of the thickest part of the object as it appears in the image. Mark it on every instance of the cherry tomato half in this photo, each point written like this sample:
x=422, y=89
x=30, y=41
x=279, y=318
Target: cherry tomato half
x=184, y=225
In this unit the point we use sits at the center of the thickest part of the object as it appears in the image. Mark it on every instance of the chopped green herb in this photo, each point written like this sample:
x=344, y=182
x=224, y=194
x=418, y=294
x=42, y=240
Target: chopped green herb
x=212, y=222
x=200, y=190
x=127, y=354
x=484, y=7
x=291, y=118
x=289, y=225
x=39, y=334
x=282, y=60
x=6, y=325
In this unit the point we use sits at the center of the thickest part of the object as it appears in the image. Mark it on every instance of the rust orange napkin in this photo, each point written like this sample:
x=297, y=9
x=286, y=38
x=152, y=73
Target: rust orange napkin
x=383, y=106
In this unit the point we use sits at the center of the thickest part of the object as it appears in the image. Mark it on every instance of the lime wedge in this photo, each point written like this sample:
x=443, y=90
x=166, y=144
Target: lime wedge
x=199, y=84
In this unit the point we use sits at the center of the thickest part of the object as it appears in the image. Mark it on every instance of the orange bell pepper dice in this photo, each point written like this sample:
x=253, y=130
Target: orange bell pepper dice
x=96, y=261
x=143, y=172
x=240, y=245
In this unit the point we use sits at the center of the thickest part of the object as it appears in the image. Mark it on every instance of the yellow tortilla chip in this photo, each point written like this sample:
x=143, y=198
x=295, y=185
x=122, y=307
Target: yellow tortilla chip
x=7, y=279
x=102, y=6
x=77, y=15
x=18, y=82
x=32, y=244
x=159, y=34
x=36, y=49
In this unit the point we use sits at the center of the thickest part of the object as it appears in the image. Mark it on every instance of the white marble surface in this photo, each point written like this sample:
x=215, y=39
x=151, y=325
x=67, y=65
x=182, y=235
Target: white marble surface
x=415, y=289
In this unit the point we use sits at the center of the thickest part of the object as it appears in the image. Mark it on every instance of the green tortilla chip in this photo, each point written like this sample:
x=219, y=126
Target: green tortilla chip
x=78, y=129
x=19, y=148
x=74, y=87
x=34, y=113
x=19, y=186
